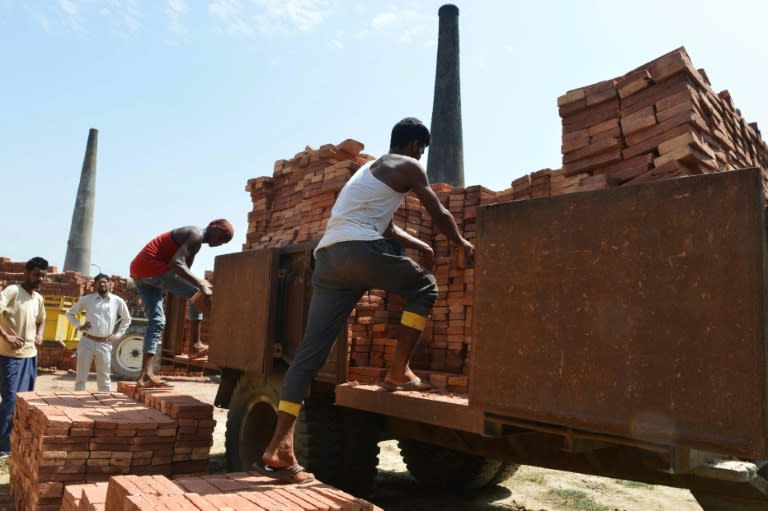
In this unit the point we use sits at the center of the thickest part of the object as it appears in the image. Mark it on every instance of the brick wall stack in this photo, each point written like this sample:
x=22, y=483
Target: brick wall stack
x=294, y=204
x=658, y=121
x=78, y=438
x=240, y=490
x=71, y=284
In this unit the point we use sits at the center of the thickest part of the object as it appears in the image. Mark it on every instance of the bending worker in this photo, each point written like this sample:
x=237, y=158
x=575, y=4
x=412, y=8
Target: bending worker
x=164, y=265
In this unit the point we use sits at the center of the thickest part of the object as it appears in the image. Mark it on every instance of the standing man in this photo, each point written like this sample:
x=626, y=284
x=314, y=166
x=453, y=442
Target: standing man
x=22, y=322
x=103, y=310
x=163, y=265
x=362, y=249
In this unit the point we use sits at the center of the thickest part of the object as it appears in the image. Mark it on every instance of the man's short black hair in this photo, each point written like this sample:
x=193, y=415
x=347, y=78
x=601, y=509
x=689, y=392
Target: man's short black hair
x=36, y=262
x=101, y=276
x=408, y=130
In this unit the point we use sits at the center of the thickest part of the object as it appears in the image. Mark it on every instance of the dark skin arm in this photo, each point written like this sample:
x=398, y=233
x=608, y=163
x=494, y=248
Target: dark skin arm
x=189, y=239
x=404, y=174
x=10, y=336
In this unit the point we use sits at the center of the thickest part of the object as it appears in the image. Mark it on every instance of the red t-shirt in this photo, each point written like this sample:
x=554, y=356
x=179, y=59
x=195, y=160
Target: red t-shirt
x=154, y=257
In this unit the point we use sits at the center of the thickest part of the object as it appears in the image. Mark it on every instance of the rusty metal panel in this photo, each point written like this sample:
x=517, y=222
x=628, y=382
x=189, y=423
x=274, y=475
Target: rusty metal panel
x=241, y=327
x=634, y=311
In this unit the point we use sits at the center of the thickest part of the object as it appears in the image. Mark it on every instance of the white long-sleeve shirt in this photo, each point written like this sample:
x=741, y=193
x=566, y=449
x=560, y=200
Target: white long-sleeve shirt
x=102, y=313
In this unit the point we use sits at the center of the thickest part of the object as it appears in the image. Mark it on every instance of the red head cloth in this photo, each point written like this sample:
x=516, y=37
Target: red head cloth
x=223, y=226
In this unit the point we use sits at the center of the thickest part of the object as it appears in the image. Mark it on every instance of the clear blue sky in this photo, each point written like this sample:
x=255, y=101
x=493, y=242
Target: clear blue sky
x=193, y=98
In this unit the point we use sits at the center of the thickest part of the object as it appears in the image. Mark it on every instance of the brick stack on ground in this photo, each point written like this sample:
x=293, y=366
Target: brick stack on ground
x=62, y=438
x=658, y=121
x=241, y=491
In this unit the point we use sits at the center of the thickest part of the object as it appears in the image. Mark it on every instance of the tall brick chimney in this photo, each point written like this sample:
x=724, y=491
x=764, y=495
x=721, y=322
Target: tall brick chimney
x=78, y=256
x=445, y=163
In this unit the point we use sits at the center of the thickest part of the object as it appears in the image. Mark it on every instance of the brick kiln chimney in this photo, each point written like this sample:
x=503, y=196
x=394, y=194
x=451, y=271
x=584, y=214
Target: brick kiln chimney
x=446, y=150
x=78, y=256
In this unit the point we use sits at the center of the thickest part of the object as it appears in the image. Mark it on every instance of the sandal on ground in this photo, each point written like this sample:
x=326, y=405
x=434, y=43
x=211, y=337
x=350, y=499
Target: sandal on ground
x=285, y=475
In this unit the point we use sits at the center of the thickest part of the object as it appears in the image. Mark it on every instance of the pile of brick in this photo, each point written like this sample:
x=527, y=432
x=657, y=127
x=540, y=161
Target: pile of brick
x=240, y=490
x=294, y=204
x=70, y=284
x=658, y=121
x=78, y=437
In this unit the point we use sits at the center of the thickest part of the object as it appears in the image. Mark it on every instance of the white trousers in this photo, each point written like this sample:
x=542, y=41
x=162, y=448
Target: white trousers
x=93, y=351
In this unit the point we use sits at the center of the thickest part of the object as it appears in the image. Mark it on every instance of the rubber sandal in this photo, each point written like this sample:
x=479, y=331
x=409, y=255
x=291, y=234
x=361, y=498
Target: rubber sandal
x=285, y=475
x=414, y=384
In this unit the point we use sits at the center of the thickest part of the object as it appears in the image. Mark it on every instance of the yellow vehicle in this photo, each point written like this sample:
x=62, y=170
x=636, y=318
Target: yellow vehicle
x=57, y=327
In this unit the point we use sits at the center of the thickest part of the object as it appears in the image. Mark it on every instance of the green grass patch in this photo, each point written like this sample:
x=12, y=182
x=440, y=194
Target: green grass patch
x=577, y=500
x=634, y=484
x=533, y=478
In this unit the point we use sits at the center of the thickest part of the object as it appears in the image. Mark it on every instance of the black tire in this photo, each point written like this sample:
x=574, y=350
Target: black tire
x=506, y=470
x=127, y=354
x=360, y=452
x=251, y=421
x=452, y=470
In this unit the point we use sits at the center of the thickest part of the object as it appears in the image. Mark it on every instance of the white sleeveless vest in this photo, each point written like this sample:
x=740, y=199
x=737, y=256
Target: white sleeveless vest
x=363, y=209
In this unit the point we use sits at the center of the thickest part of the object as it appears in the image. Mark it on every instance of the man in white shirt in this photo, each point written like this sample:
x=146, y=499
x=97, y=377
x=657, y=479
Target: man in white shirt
x=102, y=312
x=22, y=322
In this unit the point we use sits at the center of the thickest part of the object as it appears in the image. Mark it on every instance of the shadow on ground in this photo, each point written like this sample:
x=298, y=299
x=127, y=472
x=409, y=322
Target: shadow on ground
x=398, y=491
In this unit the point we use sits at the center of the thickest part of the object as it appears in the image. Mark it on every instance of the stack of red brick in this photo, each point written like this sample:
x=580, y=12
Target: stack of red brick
x=293, y=205
x=77, y=437
x=658, y=121
x=241, y=491
x=69, y=284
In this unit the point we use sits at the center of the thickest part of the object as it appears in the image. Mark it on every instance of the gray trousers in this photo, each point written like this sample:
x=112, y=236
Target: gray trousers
x=343, y=272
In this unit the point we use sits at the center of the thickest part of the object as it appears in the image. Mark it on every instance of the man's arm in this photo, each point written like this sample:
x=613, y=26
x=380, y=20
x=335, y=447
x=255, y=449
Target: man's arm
x=409, y=241
x=74, y=311
x=125, y=318
x=185, y=255
x=8, y=334
x=405, y=238
x=441, y=217
x=40, y=320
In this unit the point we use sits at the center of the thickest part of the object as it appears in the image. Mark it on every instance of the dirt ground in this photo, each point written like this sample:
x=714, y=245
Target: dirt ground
x=531, y=489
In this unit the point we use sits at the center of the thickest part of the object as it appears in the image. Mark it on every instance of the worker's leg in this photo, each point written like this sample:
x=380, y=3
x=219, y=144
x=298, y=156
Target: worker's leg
x=152, y=297
x=16, y=375
x=196, y=346
x=102, y=359
x=328, y=312
x=403, y=276
x=85, y=352
x=329, y=309
x=9, y=378
x=178, y=286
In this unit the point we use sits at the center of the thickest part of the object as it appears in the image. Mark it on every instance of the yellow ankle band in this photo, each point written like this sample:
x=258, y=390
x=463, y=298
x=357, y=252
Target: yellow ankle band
x=289, y=408
x=413, y=320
